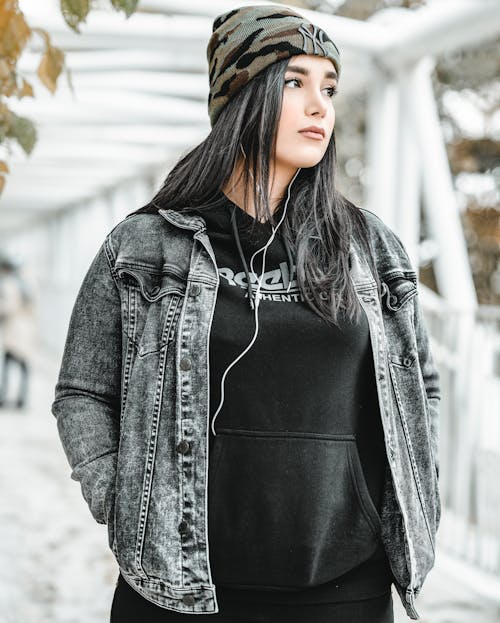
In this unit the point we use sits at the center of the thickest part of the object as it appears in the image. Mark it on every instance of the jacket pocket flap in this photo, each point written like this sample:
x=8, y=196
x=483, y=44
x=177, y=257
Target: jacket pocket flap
x=397, y=289
x=153, y=285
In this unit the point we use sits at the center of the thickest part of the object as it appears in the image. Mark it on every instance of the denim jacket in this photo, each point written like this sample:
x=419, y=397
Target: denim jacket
x=132, y=404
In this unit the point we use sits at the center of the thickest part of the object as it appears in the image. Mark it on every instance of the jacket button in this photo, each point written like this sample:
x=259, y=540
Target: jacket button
x=183, y=527
x=185, y=363
x=195, y=289
x=407, y=362
x=188, y=599
x=183, y=447
x=155, y=290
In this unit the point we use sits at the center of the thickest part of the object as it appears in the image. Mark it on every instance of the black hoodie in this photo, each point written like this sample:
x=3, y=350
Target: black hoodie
x=297, y=465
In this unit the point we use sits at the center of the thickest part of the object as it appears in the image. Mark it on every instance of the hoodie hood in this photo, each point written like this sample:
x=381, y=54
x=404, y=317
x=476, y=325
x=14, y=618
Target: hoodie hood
x=224, y=217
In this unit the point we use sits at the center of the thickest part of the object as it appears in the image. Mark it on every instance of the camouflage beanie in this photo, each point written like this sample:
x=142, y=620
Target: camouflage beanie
x=248, y=39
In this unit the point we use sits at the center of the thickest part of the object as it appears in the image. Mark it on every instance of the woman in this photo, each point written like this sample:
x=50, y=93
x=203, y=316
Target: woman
x=266, y=459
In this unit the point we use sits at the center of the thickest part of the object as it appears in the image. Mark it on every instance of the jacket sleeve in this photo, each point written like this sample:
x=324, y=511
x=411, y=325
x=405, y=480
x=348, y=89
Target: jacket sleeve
x=428, y=368
x=87, y=393
x=431, y=379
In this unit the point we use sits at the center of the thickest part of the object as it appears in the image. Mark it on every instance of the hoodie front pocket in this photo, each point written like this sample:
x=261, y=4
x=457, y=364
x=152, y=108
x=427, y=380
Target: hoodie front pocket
x=287, y=510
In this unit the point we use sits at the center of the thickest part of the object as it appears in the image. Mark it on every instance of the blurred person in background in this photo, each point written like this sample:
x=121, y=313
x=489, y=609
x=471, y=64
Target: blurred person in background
x=16, y=332
x=299, y=501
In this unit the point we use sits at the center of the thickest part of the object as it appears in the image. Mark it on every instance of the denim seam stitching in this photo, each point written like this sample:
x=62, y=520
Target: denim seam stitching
x=88, y=462
x=412, y=458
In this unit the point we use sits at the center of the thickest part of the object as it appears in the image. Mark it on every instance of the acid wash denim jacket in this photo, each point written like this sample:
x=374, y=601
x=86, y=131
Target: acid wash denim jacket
x=132, y=404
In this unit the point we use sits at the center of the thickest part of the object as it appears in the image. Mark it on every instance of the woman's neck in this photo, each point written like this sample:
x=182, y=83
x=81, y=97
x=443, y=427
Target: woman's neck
x=234, y=188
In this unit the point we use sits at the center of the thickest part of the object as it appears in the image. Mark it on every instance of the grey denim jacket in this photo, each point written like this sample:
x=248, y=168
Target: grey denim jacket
x=132, y=403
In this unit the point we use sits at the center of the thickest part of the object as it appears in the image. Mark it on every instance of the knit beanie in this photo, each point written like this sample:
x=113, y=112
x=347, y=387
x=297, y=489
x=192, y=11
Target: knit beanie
x=248, y=39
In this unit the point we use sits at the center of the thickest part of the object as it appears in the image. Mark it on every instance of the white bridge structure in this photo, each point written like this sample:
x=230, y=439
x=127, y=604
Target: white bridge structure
x=140, y=93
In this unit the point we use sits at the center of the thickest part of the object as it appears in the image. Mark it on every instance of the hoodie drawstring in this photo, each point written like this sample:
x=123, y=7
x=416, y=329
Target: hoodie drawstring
x=244, y=262
x=242, y=256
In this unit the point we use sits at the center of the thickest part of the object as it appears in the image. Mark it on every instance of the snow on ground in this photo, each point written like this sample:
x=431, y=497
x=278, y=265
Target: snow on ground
x=55, y=565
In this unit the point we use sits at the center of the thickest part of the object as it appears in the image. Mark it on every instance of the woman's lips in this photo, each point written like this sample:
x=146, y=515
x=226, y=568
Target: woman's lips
x=315, y=135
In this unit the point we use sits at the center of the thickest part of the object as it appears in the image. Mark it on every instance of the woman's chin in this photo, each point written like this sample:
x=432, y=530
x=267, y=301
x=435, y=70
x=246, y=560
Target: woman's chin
x=309, y=161
x=305, y=161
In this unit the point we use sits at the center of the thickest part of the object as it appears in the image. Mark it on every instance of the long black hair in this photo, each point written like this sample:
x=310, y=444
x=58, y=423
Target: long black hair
x=319, y=222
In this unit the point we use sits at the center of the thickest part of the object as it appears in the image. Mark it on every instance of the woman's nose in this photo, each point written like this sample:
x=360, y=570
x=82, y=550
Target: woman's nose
x=316, y=103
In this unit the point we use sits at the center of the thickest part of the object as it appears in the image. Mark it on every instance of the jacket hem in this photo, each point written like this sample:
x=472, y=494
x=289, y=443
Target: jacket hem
x=407, y=596
x=165, y=596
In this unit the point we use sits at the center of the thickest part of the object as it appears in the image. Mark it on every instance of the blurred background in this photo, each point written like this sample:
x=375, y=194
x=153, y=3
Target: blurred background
x=99, y=101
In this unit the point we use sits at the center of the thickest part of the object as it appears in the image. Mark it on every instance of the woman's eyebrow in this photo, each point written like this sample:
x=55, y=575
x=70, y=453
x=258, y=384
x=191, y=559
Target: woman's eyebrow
x=305, y=72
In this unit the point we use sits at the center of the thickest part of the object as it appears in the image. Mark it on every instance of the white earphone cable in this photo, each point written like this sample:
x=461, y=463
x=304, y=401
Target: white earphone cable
x=257, y=301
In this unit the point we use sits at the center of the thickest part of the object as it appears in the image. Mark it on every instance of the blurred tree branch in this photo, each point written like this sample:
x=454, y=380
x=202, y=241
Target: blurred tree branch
x=15, y=33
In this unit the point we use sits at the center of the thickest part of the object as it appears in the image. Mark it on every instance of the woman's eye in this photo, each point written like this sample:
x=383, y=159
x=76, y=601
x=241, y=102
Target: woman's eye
x=332, y=91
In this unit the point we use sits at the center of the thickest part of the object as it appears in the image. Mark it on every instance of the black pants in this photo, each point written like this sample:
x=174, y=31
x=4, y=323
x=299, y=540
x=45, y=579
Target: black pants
x=129, y=606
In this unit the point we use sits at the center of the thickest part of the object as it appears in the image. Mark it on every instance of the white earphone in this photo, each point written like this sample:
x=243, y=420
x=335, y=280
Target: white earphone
x=257, y=300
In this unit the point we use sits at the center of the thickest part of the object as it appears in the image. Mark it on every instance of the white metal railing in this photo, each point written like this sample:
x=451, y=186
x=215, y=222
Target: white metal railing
x=466, y=347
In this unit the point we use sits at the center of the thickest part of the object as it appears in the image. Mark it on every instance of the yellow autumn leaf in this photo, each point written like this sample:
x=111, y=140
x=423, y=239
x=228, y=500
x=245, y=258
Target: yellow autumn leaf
x=26, y=90
x=48, y=46
x=2, y=182
x=50, y=67
x=3, y=167
x=14, y=35
x=9, y=86
x=4, y=69
x=5, y=121
x=7, y=7
x=4, y=110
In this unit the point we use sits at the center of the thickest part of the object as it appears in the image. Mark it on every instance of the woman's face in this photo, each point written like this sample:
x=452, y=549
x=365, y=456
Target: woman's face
x=308, y=91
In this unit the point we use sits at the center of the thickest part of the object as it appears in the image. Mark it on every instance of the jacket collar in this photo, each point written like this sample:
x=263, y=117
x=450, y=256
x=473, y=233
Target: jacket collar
x=183, y=220
x=360, y=271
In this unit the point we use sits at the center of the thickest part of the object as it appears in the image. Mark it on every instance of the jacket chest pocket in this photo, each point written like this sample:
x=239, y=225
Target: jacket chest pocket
x=152, y=306
x=398, y=290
